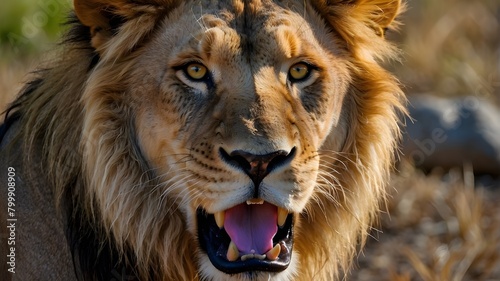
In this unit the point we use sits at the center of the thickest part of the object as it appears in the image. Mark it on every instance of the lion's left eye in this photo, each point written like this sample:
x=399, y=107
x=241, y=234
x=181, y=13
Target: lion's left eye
x=196, y=71
x=299, y=72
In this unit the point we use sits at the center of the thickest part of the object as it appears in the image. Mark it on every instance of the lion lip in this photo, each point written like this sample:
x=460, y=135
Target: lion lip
x=216, y=243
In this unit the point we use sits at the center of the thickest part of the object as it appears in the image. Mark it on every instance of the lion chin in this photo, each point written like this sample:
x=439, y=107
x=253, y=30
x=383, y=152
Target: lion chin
x=205, y=140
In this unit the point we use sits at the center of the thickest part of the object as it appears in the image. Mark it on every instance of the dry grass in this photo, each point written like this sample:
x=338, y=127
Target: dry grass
x=451, y=48
x=439, y=227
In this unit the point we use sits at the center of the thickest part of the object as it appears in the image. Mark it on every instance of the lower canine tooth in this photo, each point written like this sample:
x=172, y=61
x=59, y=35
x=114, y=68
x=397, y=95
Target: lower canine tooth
x=274, y=253
x=282, y=214
x=232, y=252
x=219, y=218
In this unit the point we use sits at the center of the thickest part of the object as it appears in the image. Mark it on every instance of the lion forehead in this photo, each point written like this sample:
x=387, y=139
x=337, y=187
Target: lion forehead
x=263, y=32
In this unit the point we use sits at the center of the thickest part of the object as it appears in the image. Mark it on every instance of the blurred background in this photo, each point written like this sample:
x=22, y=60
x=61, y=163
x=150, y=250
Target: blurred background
x=443, y=215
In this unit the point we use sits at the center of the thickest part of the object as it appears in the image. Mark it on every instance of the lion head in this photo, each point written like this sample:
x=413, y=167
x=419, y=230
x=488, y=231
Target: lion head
x=221, y=140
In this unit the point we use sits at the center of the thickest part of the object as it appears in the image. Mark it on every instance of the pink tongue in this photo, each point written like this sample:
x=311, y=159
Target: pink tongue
x=252, y=227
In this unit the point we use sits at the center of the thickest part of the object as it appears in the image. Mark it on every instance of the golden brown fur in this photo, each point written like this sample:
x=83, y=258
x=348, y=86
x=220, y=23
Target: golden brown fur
x=134, y=146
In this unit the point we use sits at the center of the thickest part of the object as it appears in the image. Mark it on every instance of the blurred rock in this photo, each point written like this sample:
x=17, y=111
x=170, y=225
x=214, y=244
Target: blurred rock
x=452, y=133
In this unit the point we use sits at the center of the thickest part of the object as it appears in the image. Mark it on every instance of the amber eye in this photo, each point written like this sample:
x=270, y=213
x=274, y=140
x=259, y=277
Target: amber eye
x=298, y=72
x=196, y=71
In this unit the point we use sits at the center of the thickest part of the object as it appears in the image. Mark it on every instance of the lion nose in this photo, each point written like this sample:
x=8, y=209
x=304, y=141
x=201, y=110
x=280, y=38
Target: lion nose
x=257, y=167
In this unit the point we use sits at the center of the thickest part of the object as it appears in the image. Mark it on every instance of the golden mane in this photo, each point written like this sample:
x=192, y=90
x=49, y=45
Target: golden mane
x=76, y=128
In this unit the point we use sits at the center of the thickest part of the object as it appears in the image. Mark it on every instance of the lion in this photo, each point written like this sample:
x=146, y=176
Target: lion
x=202, y=140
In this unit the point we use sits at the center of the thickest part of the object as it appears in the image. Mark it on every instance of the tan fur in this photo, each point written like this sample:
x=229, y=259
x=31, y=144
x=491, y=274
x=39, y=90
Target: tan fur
x=147, y=141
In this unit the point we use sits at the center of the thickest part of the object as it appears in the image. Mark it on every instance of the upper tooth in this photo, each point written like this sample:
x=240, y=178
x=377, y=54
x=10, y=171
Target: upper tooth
x=255, y=201
x=219, y=218
x=282, y=215
x=232, y=252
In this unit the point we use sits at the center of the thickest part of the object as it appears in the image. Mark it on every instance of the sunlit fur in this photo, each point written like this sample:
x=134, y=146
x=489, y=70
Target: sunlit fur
x=140, y=157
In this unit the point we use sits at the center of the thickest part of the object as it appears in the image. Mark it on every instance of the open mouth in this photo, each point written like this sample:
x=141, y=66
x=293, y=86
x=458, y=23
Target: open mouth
x=252, y=236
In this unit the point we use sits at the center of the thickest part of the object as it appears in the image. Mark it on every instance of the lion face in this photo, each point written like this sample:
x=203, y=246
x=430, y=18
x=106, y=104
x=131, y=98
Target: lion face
x=234, y=122
x=238, y=111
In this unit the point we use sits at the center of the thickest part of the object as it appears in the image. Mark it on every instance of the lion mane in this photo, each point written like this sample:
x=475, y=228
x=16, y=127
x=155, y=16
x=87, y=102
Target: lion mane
x=158, y=116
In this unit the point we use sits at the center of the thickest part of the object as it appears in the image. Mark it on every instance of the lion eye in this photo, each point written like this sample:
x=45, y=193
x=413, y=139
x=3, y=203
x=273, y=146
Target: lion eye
x=196, y=71
x=299, y=72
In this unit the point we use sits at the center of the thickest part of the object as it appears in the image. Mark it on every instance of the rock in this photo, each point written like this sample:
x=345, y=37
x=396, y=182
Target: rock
x=453, y=132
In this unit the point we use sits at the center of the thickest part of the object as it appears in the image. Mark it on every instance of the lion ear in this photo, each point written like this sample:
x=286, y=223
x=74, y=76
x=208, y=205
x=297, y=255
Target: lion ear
x=388, y=11
x=93, y=13
x=376, y=14
x=104, y=17
x=380, y=13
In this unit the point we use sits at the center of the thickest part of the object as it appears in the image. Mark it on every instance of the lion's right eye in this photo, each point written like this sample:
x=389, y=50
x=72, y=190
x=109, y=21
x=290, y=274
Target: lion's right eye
x=196, y=71
x=300, y=72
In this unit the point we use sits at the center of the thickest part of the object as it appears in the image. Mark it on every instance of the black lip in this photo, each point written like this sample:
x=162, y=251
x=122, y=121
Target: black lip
x=215, y=242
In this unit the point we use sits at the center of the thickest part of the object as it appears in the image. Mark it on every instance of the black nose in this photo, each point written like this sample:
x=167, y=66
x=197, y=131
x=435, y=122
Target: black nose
x=257, y=167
